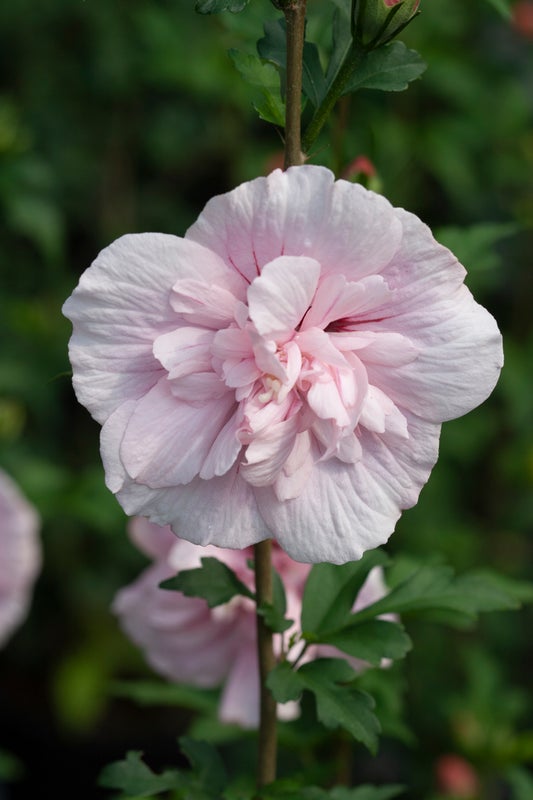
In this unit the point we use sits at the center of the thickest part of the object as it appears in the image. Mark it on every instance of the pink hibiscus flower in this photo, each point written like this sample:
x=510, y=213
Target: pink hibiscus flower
x=20, y=559
x=187, y=642
x=282, y=371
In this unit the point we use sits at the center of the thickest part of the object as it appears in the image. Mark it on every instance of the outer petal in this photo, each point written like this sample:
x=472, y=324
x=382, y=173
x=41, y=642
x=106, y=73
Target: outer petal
x=300, y=212
x=345, y=510
x=120, y=306
x=221, y=510
x=460, y=346
x=459, y=360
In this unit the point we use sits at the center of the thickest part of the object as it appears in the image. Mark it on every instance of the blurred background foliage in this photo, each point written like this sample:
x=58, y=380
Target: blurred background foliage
x=127, y=115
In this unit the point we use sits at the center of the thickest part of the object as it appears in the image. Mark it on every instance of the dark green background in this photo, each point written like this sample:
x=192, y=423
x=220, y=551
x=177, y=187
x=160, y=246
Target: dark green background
x=127, y=115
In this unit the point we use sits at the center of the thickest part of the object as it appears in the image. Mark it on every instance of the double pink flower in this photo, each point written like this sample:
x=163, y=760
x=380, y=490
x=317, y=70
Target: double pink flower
x=283, y=370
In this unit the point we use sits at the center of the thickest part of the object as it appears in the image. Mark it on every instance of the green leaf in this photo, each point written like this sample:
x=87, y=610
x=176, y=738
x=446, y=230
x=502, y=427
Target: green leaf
x=436, y=588
x=283, y=790
x=475, y=246
x=215, y=6
x=274, y=613
x=273, y=48
x=208, y=769
x=263, y=75
x=341, y=41
x=285, y=683
x=367, y=792
x=338, y=704
x=330, y=593
x=389, y=68
x=155, y=693
x=133, y=777
x=214, y=581
x=504, y=7
x=371, y=641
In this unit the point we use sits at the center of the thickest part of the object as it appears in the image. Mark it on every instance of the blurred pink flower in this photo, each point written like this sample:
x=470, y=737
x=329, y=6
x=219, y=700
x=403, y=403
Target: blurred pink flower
x=456, y=777
x=20, y=556
x=283, y=370
x=187, y=642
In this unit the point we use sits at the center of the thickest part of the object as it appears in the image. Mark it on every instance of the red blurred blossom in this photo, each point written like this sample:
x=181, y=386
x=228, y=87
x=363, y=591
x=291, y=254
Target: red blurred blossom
x=456, y=777
x=523, y=18
x=361, y=165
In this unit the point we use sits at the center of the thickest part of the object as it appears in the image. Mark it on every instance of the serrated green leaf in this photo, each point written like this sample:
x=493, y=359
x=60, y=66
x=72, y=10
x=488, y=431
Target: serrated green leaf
x=265, y=77
x=273, y=47
x=207, y=766
x=436, y=588
x=133, y=777
x=340, y=705
x=371, y=641
x=331, y=590
x=389, y=68
x=216, y=6
x=214, y=581
x=284, y=682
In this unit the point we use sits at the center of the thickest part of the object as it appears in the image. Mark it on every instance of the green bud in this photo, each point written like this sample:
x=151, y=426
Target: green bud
x=379, y=21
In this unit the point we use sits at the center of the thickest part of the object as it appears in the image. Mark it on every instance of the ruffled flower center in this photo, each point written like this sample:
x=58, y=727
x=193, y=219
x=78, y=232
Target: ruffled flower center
x=295, y=358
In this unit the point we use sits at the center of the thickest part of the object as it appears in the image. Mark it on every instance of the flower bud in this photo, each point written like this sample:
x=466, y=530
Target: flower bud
x=379, y=21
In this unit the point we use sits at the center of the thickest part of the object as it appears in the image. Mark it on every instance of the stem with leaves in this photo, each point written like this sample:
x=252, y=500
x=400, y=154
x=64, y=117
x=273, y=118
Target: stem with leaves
x=294, y=11
x=266, y=767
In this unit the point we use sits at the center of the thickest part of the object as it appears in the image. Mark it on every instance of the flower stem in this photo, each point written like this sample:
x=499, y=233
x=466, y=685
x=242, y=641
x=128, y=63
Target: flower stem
x=266, y=768
x=294, y=11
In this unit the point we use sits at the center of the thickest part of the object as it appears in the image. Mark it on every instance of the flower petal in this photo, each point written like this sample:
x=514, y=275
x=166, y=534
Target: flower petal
x=345, y=510
x=166, y=440
x=302, y=212
x=120, y=306
x=280, y=296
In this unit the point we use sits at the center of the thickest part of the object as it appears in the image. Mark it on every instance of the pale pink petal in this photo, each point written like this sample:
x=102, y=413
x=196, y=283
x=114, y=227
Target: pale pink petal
x=184, y=350
x=269, y=451
x=232, y=343
x=20, y=559
x=239, y=703
x=459, y=360
x=154, y=541
x=301, y=212
x=337, y=299
x=199, y=389
x=346, y=510
x=280, y=296
x=296, y=470
x=120, y=306
x=221, y=510
x=164, y=455
x=203, y=303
